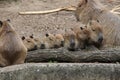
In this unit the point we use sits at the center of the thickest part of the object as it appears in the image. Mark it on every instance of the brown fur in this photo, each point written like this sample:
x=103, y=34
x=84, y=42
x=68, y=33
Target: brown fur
x=70, y=40
x=37, y=40
x=83, y=35
x=48, y=41
x=93, y=9
x=29, y=43
x=12, y=49
x=96, y=33
x=59, y=41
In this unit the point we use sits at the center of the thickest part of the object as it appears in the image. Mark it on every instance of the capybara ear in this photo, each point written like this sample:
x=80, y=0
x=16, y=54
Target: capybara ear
x=71, y=29
x=31, y=36
x=47, y=34
x=1, y=23
x=23, y=37
x=81, y=28
x=8, y=20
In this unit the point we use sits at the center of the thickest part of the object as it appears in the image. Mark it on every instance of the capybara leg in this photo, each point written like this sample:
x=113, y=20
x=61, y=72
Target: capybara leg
x=19, y=61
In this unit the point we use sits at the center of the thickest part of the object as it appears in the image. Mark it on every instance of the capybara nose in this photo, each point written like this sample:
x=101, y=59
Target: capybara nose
x=100, y=39
x=42, y=46
x=56, y=46
x=35, y=47
x=62, y=43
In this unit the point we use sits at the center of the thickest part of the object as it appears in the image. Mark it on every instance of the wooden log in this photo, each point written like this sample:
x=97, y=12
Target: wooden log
x=62, y=55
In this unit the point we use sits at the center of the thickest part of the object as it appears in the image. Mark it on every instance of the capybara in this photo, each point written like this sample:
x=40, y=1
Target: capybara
x=93, y=9
x=37, y=40
x=59, y=40
x=96, y=33
x=29, y=43
x=70, y=40
x=12, y=49
x=48, y=41
x=83, y=35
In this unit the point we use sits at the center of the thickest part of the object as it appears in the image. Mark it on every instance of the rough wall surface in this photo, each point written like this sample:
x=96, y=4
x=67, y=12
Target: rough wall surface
x=61, y=71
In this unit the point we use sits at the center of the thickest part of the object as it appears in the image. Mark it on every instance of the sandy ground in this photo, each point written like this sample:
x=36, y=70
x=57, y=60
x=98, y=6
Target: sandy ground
x=39, y=24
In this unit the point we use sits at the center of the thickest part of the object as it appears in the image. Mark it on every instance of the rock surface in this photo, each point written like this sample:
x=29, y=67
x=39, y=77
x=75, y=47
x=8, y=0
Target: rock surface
x=61, y=71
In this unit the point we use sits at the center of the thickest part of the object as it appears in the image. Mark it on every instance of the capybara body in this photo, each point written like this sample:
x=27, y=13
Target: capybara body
x=12, y=49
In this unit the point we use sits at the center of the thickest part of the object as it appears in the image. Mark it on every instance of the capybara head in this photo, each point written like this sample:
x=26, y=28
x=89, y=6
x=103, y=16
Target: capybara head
x=29, y=43
x=96, y=33
x=86, y=8
x=83, y=35
x=59, y=41
x=37, y=40
x=48, y=41
x=70, y=40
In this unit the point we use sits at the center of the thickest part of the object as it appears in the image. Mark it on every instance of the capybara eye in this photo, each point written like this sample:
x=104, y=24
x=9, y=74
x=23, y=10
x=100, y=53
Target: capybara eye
x=31, y=36
x=79, y=5
x=23, y=38
x=47, y=34
x=93, y=29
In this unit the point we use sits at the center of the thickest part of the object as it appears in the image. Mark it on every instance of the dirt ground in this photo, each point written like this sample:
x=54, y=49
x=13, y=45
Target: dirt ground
x=39, y=24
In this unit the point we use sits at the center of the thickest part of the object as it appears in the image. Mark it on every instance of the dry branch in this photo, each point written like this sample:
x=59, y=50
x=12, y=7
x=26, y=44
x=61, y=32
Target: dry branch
x=61, y=55
x=114, y=10
x=71, y=8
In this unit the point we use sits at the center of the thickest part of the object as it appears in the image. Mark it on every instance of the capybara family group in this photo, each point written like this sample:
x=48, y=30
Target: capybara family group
x=100, y=29
x=76, y=38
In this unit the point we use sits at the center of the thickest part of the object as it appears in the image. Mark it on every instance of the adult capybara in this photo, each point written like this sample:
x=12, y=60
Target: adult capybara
x=12, y=49
x=93, y=9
